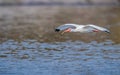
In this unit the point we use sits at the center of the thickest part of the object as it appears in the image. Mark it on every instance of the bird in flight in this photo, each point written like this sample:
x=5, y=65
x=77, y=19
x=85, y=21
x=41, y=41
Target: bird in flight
x=80, y=28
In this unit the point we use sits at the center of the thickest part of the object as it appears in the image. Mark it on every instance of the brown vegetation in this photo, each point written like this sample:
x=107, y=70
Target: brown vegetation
x=39, y=22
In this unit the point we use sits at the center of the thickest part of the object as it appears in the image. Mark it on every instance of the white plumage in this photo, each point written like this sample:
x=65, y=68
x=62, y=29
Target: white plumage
x=81, y=28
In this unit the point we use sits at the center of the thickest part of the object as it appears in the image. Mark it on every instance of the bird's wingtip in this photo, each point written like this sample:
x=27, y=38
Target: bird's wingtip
x=107, y=31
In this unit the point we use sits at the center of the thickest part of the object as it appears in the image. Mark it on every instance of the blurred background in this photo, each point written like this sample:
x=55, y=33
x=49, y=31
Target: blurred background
x=30, y=46
x=36, y=19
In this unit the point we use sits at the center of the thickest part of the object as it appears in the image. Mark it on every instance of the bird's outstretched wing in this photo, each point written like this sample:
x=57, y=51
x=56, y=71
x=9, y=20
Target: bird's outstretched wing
x=64, y=27
x=96, y=28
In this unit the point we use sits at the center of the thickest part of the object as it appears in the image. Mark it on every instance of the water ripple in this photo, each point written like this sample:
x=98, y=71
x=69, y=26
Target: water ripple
x=59, y=58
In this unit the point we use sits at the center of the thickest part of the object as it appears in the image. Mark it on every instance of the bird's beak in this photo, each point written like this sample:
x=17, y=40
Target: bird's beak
x=62, y=33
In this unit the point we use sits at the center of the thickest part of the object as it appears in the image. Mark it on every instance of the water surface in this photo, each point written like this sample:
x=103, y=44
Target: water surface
x=59, y=58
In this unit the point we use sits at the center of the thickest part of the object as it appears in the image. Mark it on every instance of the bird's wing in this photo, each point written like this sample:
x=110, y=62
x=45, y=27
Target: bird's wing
x=94, y=27
x=64, y=27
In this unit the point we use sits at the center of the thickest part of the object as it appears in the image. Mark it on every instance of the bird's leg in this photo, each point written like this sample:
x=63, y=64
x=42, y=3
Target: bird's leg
x=95, y=30
x=67, y=30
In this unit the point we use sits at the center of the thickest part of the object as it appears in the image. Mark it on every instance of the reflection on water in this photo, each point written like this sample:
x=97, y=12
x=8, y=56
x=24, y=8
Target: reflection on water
x=31, y=57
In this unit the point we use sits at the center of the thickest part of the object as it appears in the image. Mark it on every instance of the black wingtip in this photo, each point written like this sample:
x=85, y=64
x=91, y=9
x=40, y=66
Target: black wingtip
x=57, y=30
x=107, y=32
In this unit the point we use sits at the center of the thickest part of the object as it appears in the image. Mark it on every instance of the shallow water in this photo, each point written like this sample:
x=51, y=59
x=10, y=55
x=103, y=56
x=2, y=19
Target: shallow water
x=30, y=57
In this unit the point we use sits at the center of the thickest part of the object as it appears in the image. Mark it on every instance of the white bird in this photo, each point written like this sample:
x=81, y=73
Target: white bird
x=80, y=28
